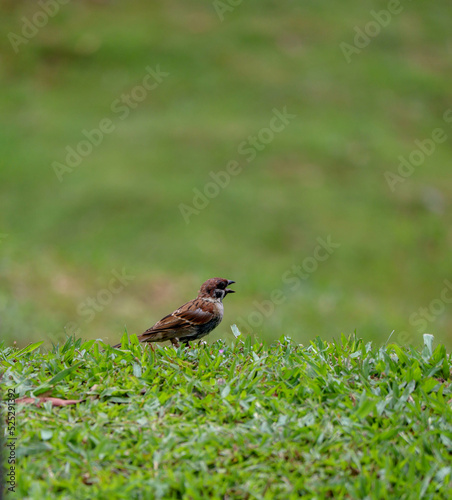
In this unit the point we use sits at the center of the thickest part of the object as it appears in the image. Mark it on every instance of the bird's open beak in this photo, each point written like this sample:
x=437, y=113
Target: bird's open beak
x=228, y=290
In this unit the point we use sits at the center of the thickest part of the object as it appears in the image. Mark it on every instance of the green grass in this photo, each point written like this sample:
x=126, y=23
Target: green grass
x=341, y=419
x=323, y=175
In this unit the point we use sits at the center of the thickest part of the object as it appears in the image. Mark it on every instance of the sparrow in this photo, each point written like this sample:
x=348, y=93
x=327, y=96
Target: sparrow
x=193, y=320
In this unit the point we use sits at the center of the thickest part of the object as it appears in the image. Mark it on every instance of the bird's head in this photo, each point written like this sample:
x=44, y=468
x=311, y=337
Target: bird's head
x=216, y=288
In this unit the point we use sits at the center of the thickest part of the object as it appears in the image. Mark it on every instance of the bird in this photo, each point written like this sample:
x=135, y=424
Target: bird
x=193, y=320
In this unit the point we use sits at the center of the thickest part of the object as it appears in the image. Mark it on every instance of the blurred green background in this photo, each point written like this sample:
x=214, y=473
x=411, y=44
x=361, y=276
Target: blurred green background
x=218, y=73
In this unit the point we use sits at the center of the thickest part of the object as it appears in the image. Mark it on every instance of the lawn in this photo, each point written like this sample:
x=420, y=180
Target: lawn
x=181, y=93
x=301, y=149
x=247, y=420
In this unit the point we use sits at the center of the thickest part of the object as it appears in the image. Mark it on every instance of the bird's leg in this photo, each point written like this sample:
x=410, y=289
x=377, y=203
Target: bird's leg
x=175, y=342
x=148, y=344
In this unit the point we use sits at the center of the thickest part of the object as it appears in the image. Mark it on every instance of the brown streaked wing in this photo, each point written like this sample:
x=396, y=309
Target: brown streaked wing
x=165, y=329
x=190, y=314
x=196, y=316
x=195, y=312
